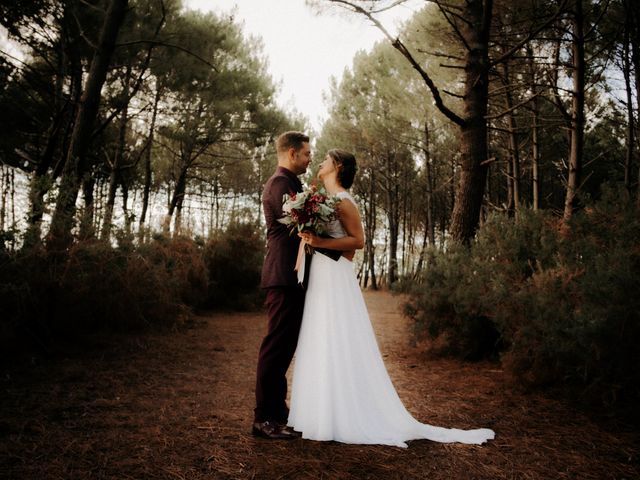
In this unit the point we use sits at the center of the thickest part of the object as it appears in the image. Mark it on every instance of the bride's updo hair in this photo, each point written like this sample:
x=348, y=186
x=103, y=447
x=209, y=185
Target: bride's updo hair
x=346, y=166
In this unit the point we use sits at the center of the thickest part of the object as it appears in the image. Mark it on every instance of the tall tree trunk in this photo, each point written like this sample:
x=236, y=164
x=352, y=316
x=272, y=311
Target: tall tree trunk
x=147, y=166
x=626, y=70
x=107, y=218
x=115, y=174
x=4, y=188
x=535, y=141
x=76, y=165
x=514, y=144
x=216, y=202
x=87, y=218
x=371, y=231
x=473, y=132
x=633, y=18
x=508, y=174
x=177, y=224
x=176, y=198
x=393, y=220
x=125, y=205
x=406, y=239
x=429, y=227
x=41, y=182
x=535, y=157
x=577, y=114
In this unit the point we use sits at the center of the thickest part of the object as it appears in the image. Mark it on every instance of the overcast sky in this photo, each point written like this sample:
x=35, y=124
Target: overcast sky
x=324, y=44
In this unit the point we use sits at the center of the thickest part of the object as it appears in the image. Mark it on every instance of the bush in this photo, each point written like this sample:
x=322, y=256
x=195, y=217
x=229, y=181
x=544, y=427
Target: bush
x=181, y=262
x=558, y=309
x=105, y=288
x=234, y=262
x=96, y=287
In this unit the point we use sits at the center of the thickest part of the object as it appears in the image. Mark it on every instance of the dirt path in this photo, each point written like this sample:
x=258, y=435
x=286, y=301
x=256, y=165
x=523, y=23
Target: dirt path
x=179, y=406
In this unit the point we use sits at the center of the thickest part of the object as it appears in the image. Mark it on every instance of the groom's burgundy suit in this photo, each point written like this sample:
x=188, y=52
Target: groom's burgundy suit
x=285, y=302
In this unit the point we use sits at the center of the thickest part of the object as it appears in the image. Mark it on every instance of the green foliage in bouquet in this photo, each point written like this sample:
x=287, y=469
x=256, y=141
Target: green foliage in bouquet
x=310, y=209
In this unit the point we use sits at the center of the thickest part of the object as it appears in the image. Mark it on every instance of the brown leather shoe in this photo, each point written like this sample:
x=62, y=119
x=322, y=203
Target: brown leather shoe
x=285, y=428
x=272, y=430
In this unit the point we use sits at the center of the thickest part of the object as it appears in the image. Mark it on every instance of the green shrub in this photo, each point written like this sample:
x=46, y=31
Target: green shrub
x=234, y=261
x=102, y=287
x=558, y=309
x=95, y=287
x=181, y=261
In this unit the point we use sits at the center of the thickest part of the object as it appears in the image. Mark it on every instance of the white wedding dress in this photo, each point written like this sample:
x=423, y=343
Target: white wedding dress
x=341, y=389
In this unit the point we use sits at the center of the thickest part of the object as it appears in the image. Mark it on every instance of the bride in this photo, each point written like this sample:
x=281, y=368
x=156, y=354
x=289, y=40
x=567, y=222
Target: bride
x=341, y=389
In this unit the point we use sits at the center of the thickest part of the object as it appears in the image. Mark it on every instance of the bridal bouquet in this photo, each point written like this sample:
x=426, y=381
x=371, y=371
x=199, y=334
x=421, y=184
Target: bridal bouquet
x=309, y=210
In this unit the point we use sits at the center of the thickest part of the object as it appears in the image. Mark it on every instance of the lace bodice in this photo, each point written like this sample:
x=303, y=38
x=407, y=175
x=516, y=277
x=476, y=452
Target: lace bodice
x=334, y=228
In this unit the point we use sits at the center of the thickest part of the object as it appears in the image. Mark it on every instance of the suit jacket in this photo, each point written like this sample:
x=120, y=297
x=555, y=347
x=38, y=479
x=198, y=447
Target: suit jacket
x=282, y=247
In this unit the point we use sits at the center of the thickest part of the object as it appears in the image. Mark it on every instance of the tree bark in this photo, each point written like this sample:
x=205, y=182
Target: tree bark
x=77, y=165
x=371, y=231
x=177, y=224
x=473, y=132
x=429, y=235
x=631, y=60
x=577, y=114
x=535, y=141
x=41, y=182
x=634, y=15
x=176, y=199
x=535, y=157
x=508, y=173
x=393, y=216
x=115, y=173
x=514, y=144
x=125, y=205
x=4, y=188
x=430, y=227
x=147, y=166
x=87, y=229
x=630, y=141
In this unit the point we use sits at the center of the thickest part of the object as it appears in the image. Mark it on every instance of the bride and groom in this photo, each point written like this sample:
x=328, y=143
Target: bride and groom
x=341, y=389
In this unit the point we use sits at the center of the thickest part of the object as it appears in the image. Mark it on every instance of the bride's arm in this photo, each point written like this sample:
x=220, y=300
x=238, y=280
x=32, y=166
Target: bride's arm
x=350, y=219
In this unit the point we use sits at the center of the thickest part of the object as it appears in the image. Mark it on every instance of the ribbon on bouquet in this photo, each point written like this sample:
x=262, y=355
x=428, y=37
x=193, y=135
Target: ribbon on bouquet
x=301, y=259
x=300, y=263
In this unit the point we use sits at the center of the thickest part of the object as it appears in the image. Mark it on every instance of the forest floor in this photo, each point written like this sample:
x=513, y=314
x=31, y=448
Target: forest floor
x=179, y=406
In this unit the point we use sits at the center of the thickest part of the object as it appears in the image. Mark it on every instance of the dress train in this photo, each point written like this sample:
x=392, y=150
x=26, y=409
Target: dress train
x=341, y=389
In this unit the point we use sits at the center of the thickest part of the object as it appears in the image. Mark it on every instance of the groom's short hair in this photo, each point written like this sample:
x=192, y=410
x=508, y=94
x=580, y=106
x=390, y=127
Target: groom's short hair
x=291, y=139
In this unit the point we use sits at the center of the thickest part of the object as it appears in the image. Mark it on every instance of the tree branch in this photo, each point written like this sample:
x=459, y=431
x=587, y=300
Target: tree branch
x=454, y=26
x=389, y=7
x=170, y=45
x=440, y=54
x=529, y=37
x=515, y=107
x=453, y=94
x=139, y=80
x=398, y=45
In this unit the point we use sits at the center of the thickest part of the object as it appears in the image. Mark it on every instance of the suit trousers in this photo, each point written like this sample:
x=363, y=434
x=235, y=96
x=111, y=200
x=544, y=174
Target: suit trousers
x=285, y=306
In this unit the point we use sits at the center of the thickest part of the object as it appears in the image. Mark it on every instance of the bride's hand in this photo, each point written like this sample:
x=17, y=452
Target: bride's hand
x=349, y=254
x=309, y=238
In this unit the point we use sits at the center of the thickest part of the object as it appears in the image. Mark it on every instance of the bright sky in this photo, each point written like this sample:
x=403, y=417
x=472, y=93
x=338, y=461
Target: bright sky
x=324, y=44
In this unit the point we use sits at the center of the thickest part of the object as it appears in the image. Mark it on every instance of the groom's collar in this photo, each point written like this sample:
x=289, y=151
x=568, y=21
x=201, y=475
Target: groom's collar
x=285, y=171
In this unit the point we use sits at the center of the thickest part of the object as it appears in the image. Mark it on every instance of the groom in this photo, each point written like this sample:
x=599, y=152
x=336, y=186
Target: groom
x=285, y=297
